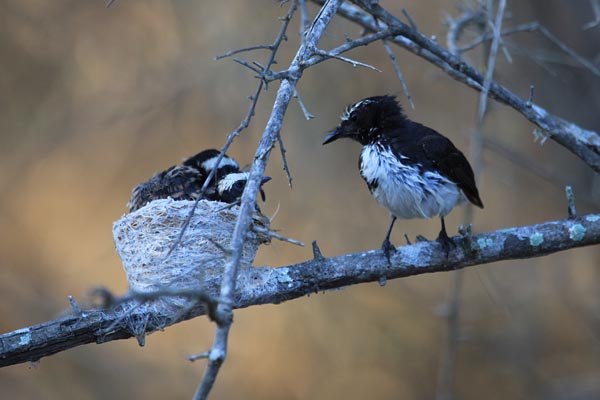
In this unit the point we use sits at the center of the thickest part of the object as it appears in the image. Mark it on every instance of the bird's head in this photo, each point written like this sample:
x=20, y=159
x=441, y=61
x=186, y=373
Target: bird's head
x=231, y=186
x=206, y=160
x=364, y=120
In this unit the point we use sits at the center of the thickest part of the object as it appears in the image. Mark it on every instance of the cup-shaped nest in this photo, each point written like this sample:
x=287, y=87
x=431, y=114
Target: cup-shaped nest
x=144, y=237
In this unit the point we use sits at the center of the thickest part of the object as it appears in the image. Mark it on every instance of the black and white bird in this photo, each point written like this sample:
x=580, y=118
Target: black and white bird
x=231, y=187
x=185, y=181
x=205, y=162
x=412, y=170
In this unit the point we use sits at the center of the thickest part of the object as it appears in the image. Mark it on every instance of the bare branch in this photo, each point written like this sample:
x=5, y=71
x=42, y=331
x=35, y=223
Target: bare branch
x=398, y=73
x=267, y=285
x=410, y=20
x=251, y=67
x=496, y=27
x=286, y=167
x=277, y=236
x=596, y=8
x=304, y=20
x=327, y=55
x=251, y=48
x=458, y=25
x=307, y=114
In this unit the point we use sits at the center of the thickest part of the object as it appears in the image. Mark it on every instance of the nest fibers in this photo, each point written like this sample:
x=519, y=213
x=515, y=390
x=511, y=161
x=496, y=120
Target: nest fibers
x=144, y=237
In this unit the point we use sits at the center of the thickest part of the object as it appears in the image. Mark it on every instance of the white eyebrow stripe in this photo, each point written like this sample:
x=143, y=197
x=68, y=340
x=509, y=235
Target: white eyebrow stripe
x=209, y=164
x=350, y=109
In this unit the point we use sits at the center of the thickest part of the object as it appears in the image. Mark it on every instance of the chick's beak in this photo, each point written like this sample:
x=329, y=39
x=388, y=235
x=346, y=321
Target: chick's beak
x=334, y=135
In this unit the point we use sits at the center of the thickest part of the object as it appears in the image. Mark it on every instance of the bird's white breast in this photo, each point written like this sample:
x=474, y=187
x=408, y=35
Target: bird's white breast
x=403, y=189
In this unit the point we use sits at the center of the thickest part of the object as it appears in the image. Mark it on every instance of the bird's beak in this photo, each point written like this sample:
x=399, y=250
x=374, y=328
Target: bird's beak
x=334, y=135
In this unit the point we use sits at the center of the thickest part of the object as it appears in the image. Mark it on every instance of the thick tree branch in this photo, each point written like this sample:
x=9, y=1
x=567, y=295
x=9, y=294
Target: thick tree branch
x=584, y=143
x=266, y=285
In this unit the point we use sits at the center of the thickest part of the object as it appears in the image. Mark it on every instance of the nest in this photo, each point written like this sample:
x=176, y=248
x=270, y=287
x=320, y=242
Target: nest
x=144, y=237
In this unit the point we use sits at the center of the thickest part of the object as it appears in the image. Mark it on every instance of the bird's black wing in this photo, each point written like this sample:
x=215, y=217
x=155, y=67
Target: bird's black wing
x=178, y=182
x=436, y=152
x=452, y=163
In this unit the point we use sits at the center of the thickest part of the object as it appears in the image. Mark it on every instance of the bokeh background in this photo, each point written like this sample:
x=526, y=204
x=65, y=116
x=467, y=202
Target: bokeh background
x=95, y=100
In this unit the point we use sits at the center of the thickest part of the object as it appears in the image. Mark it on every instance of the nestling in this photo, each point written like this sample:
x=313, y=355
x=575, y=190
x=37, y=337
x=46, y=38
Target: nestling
x=185, y=181
x=412, y=170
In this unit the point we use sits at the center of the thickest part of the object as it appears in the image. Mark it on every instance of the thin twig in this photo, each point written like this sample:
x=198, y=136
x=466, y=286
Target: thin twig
x=410, y=20
x=286, y=168
x=277, y=236
x=528, y=27
x=582, y=60
x=596, y=8
x=304, y=20
x=327, y=55
x=491, y=65
x=458, y=25
x=398, y=72
x=251, y=48
x=246, y=64
x=307, y=114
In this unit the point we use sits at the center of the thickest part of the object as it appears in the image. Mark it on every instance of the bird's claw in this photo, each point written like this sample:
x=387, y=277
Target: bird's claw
x=446, y=243
x=388, y=249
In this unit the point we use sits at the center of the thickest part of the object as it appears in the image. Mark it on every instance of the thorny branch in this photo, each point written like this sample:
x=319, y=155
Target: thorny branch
x=496, y=27
x=268, y=285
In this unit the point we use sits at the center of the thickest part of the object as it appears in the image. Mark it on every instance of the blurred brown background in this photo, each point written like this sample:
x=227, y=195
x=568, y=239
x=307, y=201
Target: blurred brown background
x=93, y=101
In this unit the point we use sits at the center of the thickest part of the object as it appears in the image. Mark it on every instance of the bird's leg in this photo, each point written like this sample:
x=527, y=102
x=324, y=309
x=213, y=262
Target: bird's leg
x=387, y=247
x=445, y=241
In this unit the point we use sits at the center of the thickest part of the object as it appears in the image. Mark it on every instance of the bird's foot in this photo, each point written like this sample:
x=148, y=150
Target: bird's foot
x=446, y=243
x=388, y=249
